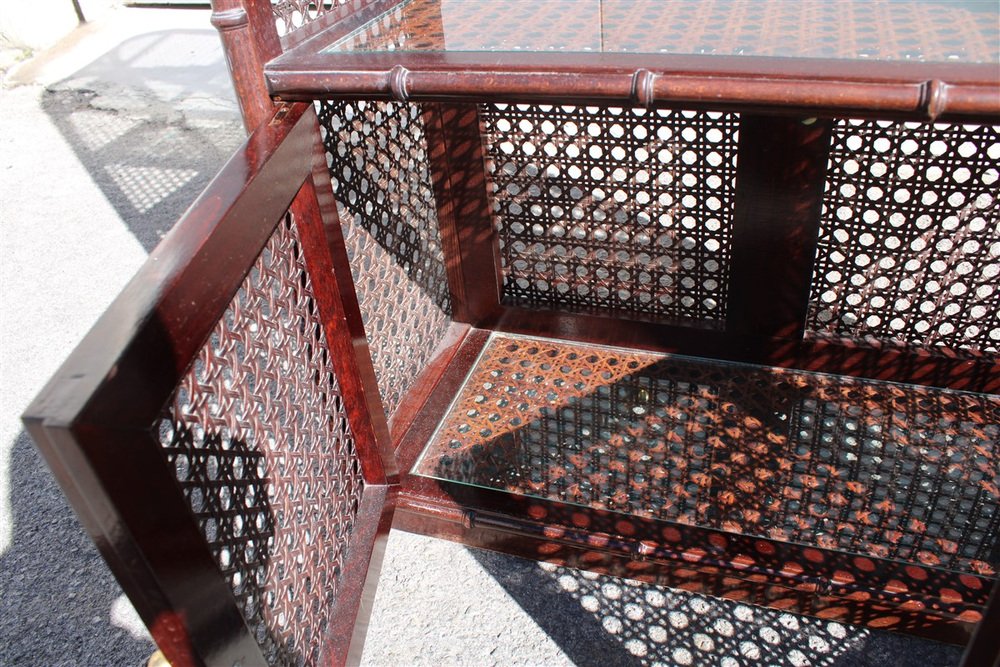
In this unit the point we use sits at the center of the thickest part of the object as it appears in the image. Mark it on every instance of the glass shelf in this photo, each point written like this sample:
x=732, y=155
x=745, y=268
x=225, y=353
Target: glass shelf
x=923, y=59
x=896, y=471
x=910, y=30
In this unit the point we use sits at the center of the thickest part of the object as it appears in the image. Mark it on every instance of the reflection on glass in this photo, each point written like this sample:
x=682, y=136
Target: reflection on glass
x=889, y=470
x=921, y=30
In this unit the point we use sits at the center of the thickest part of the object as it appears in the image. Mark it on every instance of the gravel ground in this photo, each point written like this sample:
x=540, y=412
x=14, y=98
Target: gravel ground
x=103, y=142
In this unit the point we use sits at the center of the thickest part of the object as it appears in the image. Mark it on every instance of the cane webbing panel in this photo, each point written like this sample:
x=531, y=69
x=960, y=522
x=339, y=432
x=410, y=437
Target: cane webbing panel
x=610, y=208
x=259, y=440
x=894, y=471
x=392, y=31
x=378, y=160
x=909, y=246
x=290, y=15
x=675, y=627
x=857, y=29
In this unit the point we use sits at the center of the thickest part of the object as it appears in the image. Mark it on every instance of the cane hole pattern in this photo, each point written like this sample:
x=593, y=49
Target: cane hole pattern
x=862, y=29
x=909, y=246
x=673, y=627
x=834, y=585
x=894, y=471
x=259, y=441
x=391, y=31
x=290, y=15
x=611, y=208
x=378, y=160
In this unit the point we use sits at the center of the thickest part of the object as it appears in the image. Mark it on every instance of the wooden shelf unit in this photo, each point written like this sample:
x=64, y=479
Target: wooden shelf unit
x=722, y=320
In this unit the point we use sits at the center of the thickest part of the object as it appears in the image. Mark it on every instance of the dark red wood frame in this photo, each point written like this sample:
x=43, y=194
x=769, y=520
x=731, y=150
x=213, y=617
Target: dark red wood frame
x=779, y=188
x=796, y=86
x=785, y=132
x=783, y=151
x=93, y=421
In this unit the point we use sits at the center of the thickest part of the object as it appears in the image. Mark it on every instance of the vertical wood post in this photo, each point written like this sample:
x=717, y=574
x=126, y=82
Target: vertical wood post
x=366, y=391
x=984, y=647
x=468, y=236
x=249, y=39
x=779, y=193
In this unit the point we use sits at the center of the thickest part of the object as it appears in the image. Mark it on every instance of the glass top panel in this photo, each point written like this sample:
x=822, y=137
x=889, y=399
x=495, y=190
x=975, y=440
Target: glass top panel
x=915, y=30
x=896, y=471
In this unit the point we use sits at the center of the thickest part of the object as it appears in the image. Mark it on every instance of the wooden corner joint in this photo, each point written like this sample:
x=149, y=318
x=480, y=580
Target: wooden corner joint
x=398, y=80
x=230, y=19
x=933, y=98
x=642, y=88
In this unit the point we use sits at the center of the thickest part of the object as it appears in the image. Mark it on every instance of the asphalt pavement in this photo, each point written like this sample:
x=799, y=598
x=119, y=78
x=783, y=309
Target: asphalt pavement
x=104, y=141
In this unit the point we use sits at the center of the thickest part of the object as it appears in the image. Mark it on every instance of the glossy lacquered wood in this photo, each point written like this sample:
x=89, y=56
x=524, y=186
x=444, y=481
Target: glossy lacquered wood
x=246, y=49
x=780, y=180
x=132, y=359
x=762, y=85
x=798, y=86
x=94, y=420
x=470, y=242
x=219, y=235
x=984, y=649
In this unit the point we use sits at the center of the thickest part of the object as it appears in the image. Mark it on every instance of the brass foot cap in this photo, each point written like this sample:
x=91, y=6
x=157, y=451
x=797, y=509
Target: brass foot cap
x=157, y=660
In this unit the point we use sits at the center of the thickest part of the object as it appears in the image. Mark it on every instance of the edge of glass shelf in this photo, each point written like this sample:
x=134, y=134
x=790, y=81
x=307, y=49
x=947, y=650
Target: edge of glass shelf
x=494, y=335
x=413, y=470
x=927, y=91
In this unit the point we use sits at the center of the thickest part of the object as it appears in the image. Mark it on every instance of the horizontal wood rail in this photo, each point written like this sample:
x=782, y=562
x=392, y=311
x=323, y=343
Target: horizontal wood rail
x=796, y=86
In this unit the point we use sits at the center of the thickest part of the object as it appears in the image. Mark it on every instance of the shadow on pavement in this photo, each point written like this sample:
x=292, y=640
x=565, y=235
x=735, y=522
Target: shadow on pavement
x=151, y=121
x=600, y=620
x=150, y=126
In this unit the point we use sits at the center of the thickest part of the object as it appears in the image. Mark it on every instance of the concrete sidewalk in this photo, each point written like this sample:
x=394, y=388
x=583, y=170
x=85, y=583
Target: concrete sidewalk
x=104, y=141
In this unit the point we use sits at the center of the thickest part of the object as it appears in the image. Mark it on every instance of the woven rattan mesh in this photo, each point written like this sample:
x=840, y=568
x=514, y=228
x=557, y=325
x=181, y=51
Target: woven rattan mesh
x=889, y=470
x=909, y=246
x=610, y=208
x=674, y=627
x=862, y=29
x=377, y=154
x=394, y=30
x=259, y=440
x=290, y=15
